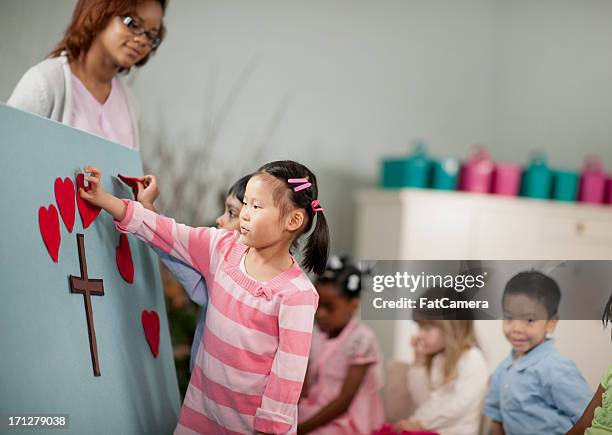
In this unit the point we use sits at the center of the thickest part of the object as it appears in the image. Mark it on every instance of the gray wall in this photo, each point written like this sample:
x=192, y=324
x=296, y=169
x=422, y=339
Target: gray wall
x=338, y=84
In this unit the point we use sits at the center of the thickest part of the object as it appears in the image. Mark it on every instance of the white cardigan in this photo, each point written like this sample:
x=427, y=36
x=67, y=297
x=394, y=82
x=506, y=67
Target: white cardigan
x=454, y=408
x=46, y=90
x=451, y=409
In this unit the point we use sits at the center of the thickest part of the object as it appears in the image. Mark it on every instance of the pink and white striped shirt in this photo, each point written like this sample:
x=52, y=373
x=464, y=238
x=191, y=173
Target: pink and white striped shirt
x=251, y=364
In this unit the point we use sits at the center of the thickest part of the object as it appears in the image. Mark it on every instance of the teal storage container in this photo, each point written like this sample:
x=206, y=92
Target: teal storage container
x=565, y=185
x=537, y=178
x=445, y=174
x=411, y=171
x=392, y=173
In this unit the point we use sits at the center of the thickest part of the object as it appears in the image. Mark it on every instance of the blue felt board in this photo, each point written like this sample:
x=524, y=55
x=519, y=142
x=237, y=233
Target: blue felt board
x=45, y=360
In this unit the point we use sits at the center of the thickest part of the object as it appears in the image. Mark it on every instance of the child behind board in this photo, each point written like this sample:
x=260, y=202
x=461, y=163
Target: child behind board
x=341, y=392
x=535, y=389
x=251, y=365
x=192, y=281
x=449, y=378
x=597, y=418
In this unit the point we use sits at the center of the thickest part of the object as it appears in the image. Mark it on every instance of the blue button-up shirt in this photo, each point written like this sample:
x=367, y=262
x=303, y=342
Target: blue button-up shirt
x=194, y=284
x=540, y=393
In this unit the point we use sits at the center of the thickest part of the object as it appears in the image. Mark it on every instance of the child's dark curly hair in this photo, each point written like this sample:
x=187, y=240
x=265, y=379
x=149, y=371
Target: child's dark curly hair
x=341, y=272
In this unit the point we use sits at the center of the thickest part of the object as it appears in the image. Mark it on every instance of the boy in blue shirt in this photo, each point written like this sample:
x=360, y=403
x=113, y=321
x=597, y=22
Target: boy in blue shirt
x=534, y=390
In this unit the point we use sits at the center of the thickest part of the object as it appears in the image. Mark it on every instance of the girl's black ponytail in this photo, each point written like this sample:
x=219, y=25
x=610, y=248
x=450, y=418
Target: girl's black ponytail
x=317, y=247
x=304, y=196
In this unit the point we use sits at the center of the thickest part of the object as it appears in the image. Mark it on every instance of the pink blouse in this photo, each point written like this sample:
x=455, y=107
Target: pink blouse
x=110, y=120
x=330, y=359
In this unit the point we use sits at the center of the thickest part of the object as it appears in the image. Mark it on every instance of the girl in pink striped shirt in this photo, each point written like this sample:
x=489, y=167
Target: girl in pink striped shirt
x=251, y=364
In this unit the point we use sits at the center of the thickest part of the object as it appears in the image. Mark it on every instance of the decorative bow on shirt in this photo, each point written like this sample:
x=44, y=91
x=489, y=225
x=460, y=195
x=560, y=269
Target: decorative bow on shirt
x=263, y=290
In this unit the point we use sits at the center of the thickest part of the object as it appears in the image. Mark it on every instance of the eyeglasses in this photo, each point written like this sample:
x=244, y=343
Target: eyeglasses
x=137, y=29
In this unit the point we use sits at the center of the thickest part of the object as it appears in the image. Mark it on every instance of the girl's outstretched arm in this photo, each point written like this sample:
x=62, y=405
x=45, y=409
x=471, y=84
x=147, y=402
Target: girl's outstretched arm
x=193, y=246
x=338, y=406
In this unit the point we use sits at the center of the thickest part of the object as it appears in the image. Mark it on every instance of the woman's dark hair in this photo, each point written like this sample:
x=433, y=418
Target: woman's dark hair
x=317, y=246
x=239, y=187
x=342, y=273
x=90, y=17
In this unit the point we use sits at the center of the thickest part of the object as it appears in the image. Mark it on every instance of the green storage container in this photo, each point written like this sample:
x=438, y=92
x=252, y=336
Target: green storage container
x=445, y=174
x=411, y=171
x=393, y=173
x=537, y=178
x=565, y=185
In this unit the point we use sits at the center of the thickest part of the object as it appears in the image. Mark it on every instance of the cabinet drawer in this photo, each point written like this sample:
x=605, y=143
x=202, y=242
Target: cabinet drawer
x=579, y=229
x=540, y=234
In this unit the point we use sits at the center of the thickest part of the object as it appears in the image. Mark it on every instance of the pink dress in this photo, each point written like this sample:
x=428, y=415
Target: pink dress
x=251, y=363
x=110, y=120
x=329, y=362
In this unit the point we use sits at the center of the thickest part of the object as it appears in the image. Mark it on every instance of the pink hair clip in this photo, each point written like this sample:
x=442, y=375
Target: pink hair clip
x=316, y=206
x=305, y=184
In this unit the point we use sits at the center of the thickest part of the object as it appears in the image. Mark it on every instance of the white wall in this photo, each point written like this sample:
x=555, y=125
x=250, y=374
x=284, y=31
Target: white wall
x=554, y=89
x=28, y=31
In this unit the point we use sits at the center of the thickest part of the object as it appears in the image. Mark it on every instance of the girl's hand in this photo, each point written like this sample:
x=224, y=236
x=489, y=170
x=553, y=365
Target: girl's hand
x=94, y=194
x=420, y=357
x=147, y=191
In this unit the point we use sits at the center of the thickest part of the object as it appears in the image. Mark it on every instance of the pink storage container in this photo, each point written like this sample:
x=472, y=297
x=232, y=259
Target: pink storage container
x=507, y=179
x=477, y=173
x=592, y=182
x=608, y=191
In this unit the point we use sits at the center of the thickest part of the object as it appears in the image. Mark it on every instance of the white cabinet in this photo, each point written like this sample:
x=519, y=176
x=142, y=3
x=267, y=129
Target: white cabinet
x=414, y=224
x=428, y=224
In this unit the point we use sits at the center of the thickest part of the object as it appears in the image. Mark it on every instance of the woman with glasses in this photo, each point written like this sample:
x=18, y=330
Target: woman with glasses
x=79, y=83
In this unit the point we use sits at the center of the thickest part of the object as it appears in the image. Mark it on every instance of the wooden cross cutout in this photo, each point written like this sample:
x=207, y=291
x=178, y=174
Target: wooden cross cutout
x=87, y=287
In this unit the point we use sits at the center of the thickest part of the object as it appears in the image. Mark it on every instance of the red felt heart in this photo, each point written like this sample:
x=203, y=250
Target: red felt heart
x=123, y=254
x=64, y=197
x=88, y=212
x=150, y=323
x=132, y=182
x=48, y=221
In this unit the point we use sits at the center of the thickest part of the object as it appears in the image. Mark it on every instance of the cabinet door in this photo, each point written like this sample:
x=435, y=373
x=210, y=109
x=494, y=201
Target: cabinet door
x=582, y=235
x=543, y=233
x=438, y=230
x=509, y=235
